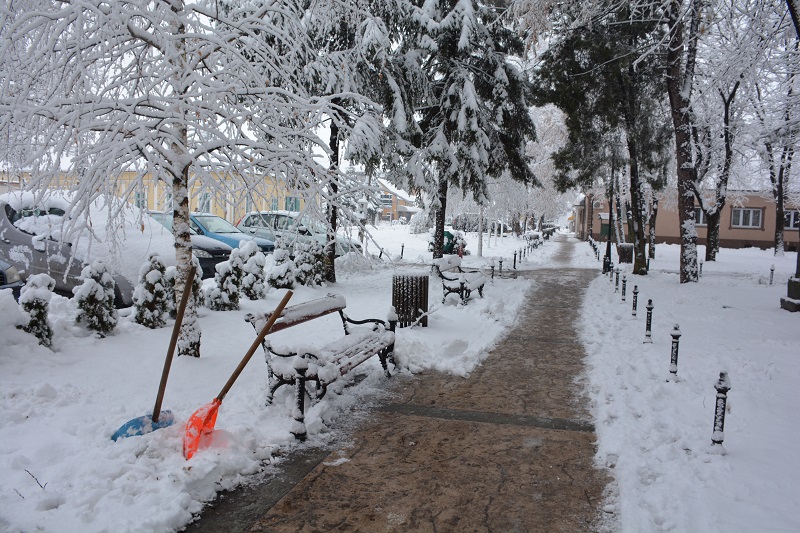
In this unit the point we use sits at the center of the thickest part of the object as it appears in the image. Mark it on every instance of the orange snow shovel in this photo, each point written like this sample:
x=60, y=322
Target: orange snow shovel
x=202, y=421
x=160, y=419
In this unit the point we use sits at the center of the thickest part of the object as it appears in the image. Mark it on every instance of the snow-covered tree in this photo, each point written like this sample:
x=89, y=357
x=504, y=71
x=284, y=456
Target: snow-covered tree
x=253, y=283
x=35, y=300
x=305, y=262
x=150, y=297
x=283, y=273
x=95, y=298
x=471, y=119
x=225, y=293
x=173, y=91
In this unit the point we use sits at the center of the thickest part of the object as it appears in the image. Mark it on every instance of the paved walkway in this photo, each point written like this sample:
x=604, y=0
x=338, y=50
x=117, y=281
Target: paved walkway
x=508, y=449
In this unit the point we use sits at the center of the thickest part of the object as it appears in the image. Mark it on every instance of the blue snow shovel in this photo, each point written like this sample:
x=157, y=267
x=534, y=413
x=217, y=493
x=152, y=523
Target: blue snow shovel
x=160, y=419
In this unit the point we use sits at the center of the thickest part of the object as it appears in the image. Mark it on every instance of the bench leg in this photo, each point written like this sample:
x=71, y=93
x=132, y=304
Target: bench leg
x=299, y=425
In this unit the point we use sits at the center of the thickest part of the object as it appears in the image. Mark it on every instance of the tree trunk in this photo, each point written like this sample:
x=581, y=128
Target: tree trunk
x=636, y=211
x=652, y=229
x=438, y=232
x=679, y=83
x=792, y=5
x=333, y=215
x=712, y=231
x=189, y=336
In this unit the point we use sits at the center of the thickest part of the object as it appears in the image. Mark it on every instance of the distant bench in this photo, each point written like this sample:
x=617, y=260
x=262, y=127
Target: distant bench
x=321, y=367
x=456, y=280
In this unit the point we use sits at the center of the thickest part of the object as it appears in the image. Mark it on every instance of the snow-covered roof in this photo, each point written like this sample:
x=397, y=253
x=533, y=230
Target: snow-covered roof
x=401, y=194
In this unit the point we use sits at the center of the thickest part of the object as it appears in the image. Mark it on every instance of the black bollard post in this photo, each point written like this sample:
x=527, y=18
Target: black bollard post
x=624, y=282
x=402, y=247
x=492, y=271
x=648, y=337
x=771, y=273
x=700, y=272
x=616, y=283
x=500, y=272
x=673, y=359
x=722, y=386
x=514, y=266
x=635, y=298
x=648, y=263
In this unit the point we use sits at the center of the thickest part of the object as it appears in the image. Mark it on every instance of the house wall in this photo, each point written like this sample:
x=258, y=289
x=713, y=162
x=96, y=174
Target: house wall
x=763, y=236
x=389, y=213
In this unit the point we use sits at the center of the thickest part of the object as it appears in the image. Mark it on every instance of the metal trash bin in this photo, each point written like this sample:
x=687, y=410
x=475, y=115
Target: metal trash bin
x=410, y=299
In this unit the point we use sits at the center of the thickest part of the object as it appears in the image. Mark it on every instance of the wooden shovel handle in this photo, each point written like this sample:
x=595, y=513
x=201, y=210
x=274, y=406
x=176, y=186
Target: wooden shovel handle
x=187, y=290
x=256, y=343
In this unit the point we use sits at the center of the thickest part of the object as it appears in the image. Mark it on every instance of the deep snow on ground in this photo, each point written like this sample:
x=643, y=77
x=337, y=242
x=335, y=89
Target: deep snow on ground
x=655, y=435
x=59, y=408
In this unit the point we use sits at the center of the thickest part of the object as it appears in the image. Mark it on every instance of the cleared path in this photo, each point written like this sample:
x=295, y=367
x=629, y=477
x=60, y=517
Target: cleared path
x=508, y=449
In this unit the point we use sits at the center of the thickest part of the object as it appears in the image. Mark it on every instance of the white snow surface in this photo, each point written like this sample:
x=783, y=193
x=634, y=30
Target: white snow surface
x=58, y=409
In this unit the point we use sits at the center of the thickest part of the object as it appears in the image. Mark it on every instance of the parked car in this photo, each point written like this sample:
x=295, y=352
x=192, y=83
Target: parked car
x=220, y=229
x=209, y=252
x=9, y=278
x=35, y=254
x=291, y=227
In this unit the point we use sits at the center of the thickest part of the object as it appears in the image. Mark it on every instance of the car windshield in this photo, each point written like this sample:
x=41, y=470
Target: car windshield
x=215, y=224
x=166, y=221
x=313, y=226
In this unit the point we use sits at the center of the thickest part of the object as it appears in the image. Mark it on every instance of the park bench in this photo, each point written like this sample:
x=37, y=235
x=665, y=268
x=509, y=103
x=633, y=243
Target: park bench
x=310, y=369
x=456, y=280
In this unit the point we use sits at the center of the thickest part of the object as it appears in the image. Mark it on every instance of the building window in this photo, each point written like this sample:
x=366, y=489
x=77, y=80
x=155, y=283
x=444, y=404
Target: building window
x=386, y=199
x=742, y=217
x=292, y=203
x=274, y=205
x=204, y=205
x=166, y=202
x=792, y=219
x=140, y=199
x=248, y=203
x=700, y=217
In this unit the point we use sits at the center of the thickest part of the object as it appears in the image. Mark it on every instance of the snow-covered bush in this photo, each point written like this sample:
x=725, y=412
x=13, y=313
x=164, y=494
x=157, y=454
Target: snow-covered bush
x=283, y=273
x=309, y=265
x=254, y=280
x=224, y=294
x=420, y=222
x=35, y=299
x=197, y=287
x=150, y=294
x=95, y=298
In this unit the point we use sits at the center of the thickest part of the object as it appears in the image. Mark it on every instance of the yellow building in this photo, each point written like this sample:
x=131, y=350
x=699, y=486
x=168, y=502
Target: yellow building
x=229, y=197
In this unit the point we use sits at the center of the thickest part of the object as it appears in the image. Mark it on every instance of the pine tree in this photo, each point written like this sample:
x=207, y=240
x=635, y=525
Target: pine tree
x=283, y=274
x=35, y=299
x=305, y=262
x=95, y=298
x=150, y=295
x=253, y=283
x=224, y=295
x=472, y=120
x=318, y=252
